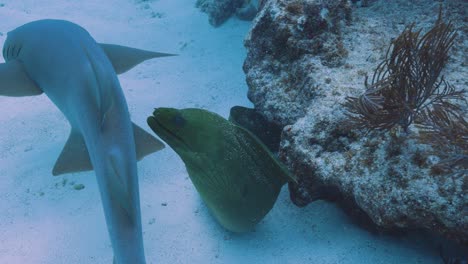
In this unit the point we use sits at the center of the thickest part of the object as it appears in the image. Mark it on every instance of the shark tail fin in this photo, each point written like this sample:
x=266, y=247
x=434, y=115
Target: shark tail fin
x=14, y=81
x=124, y=58
x=145, y=143
x=75, y=157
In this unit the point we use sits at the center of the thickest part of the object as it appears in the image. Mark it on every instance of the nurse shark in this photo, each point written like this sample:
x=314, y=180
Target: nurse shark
x=62, y=60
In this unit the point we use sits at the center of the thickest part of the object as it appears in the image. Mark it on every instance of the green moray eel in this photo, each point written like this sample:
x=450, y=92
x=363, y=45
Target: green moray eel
x=268, y=132
x=234, y=173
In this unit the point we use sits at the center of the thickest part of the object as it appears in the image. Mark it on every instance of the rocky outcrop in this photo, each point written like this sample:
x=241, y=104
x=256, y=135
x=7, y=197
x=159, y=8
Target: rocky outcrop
x=298, y=78
x=220, y=10
x=288, y=41
x=247, y=12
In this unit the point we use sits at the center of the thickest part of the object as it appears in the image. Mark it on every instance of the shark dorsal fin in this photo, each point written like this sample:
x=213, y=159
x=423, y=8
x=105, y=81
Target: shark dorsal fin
x=124, y=58
x=14, y=81
x=74, y=156
x=145, y=143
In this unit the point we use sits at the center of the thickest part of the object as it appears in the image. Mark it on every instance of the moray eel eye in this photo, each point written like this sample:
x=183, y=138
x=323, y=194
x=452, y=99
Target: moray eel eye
x=178, y=121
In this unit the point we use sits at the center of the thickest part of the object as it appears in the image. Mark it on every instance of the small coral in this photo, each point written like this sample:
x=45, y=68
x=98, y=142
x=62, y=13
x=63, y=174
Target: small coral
x=78, y=187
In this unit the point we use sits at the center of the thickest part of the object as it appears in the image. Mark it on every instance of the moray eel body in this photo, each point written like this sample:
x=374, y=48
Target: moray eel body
x=235, y=174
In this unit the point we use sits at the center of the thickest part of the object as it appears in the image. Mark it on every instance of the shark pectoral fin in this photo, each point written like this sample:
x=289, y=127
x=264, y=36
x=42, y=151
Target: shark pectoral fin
x=124, y=58
x=74, y=156
x=145, y=143
x=14, y=81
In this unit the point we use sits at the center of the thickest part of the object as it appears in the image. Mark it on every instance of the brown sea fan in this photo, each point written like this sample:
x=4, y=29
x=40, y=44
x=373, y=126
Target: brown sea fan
x=444, y=128
x=407, y=81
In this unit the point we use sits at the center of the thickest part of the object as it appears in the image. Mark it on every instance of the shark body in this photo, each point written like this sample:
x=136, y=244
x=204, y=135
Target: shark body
x=63, y=61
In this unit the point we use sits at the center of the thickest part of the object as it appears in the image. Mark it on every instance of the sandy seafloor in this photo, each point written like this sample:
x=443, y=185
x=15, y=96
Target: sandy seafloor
x=43, y=219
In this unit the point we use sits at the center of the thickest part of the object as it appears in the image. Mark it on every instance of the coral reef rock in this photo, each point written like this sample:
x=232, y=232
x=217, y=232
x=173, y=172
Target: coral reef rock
x=304, y=58
x=247, y=12
x=288, y=41
x=219, y=10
